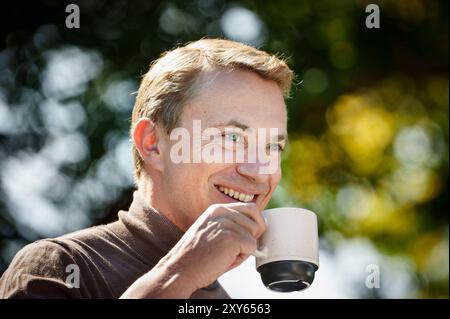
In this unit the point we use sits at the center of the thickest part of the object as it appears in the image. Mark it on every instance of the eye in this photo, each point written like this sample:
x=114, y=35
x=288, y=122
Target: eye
x=275, y=147
x=233, y=137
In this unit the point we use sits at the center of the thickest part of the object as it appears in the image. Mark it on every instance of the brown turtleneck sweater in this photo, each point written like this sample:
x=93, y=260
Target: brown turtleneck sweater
x=110, y=258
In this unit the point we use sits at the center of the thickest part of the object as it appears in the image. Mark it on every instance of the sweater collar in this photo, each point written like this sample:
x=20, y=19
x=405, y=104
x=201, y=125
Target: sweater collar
x=147, y=230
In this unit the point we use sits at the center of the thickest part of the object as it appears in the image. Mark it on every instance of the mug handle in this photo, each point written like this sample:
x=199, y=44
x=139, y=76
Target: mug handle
x=262, y=252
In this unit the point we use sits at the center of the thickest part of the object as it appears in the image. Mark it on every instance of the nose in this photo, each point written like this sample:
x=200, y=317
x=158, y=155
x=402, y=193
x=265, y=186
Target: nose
x=254, y=172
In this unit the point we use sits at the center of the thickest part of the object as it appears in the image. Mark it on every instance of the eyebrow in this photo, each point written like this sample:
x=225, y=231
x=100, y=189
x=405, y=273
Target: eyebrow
x=242, y=126
x=281, y=138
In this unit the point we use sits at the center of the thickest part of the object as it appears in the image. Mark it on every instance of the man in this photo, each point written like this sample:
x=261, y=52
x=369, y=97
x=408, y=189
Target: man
x=190, y=221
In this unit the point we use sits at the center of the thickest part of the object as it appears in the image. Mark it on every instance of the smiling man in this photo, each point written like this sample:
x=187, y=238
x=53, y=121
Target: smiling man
x=190, y=221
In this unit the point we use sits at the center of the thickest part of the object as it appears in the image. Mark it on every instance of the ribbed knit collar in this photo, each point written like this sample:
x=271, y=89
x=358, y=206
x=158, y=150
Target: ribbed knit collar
x=148, y=231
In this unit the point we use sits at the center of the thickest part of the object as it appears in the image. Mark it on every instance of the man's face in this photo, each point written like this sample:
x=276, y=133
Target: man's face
x=230, y=102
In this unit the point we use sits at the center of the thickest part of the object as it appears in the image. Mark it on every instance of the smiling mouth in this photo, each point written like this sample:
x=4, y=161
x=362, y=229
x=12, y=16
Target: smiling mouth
x=242, y=197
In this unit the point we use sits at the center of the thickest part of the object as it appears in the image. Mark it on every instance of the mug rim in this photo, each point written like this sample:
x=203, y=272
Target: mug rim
x=299, y=209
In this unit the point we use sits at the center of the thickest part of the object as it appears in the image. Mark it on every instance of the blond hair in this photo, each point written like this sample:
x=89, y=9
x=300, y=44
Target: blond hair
x=172, y=80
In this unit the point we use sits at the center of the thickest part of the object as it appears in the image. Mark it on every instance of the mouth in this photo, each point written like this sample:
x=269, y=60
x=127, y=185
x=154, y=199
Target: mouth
x=236, y=195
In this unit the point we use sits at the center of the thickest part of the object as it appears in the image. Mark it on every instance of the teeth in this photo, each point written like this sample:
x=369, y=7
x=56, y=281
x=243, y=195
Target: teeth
x=236, y=195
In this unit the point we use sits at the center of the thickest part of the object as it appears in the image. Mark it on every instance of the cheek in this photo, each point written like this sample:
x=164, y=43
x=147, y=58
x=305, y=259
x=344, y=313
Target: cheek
x=194, y=177
x=275, y=180
x=177, y=178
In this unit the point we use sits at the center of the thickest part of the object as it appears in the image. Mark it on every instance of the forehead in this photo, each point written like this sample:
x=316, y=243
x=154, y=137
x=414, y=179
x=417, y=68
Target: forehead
x=237, y=95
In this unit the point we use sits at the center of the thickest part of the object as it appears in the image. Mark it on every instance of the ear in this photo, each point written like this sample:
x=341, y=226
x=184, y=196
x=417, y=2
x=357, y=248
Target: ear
x=146, y=138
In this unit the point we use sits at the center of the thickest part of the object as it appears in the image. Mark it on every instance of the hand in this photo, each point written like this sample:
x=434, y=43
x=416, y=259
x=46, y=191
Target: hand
x=219, y=240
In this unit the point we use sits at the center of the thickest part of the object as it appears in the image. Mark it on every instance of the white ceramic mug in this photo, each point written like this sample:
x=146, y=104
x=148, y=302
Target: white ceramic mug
x=288, y=253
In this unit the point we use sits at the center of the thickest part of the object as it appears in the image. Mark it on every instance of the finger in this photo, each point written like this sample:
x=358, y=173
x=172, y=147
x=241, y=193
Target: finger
x=239, y=260
x=251, y=210
x=245, y=221
x=242, y=217
x=245, y=241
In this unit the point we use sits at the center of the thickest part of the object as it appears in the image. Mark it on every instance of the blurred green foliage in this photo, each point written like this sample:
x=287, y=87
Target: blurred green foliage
x=368, y=118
